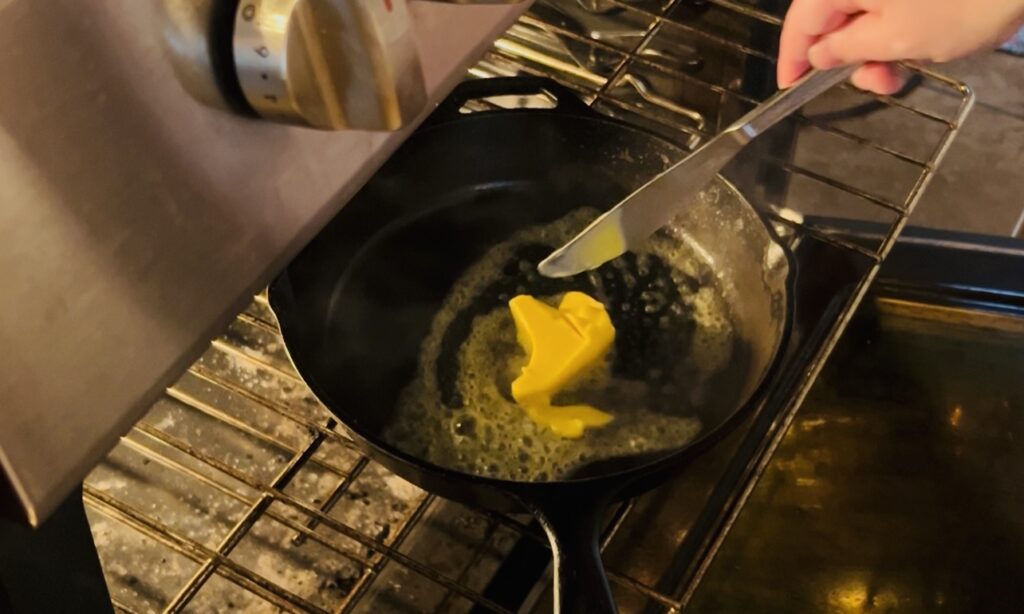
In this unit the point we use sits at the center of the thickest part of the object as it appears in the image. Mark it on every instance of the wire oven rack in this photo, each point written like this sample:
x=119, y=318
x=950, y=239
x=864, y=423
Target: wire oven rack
x=237, y=491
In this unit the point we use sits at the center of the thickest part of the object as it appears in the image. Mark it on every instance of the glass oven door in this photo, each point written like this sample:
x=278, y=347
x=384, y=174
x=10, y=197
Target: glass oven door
x=900, y=483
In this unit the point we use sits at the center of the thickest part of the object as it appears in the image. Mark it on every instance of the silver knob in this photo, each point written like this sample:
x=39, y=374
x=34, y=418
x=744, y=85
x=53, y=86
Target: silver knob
x=329, y=64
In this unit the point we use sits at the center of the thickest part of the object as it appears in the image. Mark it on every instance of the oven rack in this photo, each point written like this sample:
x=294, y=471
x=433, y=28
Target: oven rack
x=622, y=84
x=220, y=389
x=238, y=491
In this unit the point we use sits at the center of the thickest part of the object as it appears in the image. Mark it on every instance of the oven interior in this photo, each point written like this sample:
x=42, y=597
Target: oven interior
x=237, y=491
x=897, y=488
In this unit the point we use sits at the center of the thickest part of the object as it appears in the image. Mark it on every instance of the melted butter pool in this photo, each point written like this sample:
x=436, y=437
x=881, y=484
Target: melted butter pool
x=485, y=432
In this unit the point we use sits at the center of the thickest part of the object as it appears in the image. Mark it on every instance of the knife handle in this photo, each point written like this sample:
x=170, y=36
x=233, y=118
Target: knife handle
x=784, y=102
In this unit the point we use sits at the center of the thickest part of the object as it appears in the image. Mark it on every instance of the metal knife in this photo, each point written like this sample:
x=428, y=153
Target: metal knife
x=630, y=223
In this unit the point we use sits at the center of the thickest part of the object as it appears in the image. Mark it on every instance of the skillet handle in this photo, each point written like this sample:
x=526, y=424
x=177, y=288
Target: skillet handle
x=566, y=101
x=573, y=525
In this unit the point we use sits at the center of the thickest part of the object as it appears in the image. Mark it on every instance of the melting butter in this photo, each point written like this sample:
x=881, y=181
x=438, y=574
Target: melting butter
x=490, y=434
x=560, y=344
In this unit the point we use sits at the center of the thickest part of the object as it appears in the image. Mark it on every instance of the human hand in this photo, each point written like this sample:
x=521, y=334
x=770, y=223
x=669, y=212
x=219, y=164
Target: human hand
x=829, y=33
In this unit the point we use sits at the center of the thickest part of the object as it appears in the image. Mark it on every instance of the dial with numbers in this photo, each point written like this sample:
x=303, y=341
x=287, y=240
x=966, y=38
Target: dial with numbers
x=329, y=64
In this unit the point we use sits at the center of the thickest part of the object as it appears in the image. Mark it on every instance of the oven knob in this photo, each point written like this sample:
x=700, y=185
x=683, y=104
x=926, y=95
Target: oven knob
x=329, y=64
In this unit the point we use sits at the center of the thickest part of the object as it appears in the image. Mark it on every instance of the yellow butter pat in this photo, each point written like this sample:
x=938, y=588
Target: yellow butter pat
x=560, y=344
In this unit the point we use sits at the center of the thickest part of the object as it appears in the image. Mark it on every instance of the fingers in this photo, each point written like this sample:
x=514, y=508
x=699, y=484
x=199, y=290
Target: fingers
x=866, y=37
x=806, y=22
x=880, y=78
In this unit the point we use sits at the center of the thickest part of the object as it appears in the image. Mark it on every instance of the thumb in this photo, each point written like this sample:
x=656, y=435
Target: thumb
x=868, y=37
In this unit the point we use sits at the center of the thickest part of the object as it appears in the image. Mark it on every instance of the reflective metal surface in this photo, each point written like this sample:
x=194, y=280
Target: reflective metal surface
x=136, y=220
x=900, y=486
x=329, y=64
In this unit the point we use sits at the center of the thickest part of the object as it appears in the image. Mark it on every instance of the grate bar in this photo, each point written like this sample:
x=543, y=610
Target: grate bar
x=255, y=322
x=621, y=68
x=170, y=463
x=718, y=40
x=237, y=475
x=736, y=7
x=638, y=58
x=699, y=135
x=511, y=523
x=899, y=104
x=281, y=410
x=638, y=586
x=161, y=533
x=835, y=183
x=332, y=523
x=270, y=513
x=474, y=559
x=235, y=535
x=227, y=348
x=748, y=10
x=860, y=140
x=823, y=237
x=403, y=532
x=335, y=496
x=255, y=433
x=523, y=52
x=660, y=18
x=391, y=553
x=371, y=567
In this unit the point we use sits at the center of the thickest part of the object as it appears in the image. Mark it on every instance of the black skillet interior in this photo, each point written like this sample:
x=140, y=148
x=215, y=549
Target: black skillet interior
x=471, y=187
x=357, y=303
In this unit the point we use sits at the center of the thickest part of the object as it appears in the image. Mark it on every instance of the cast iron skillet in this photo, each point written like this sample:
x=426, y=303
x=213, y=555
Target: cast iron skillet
x=356, y=304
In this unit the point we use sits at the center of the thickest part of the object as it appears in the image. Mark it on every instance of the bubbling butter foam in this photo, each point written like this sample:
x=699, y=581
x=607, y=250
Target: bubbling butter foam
x=490, y=435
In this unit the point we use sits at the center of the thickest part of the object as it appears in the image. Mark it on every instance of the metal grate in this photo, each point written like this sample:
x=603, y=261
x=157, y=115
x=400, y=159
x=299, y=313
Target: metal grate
x=237, y=490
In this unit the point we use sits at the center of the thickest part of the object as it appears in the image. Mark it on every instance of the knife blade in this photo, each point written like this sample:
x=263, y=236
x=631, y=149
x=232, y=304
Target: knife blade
x=628, y=225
